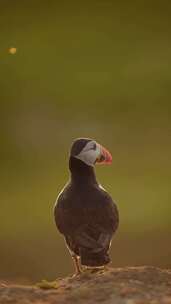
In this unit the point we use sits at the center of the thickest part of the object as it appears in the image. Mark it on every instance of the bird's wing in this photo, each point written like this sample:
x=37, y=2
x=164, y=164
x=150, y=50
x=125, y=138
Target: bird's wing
x=90, y=226
x=87, y=241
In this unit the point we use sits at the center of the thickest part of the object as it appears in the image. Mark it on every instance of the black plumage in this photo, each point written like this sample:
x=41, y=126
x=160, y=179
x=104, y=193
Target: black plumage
x=85, y=213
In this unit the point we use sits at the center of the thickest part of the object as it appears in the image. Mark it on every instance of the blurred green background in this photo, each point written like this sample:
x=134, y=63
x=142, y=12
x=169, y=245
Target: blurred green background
x=99, y=69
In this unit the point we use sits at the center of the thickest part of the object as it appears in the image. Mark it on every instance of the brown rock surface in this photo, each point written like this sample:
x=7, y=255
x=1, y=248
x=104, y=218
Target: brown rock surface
x=131, y=285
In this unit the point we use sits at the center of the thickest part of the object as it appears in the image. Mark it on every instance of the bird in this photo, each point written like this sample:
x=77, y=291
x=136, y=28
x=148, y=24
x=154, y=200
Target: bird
x=85, y=213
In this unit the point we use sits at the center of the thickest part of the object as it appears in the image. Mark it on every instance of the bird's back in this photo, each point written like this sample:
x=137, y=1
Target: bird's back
x=87, y=217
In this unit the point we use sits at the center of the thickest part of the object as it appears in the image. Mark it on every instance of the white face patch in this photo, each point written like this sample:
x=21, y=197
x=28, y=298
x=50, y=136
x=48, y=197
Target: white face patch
x=89, y=153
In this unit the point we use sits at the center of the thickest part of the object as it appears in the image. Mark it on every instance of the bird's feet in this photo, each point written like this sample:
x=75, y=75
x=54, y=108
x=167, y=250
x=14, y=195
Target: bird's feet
x=95, y=269
x=78, y=268
x=77, y=274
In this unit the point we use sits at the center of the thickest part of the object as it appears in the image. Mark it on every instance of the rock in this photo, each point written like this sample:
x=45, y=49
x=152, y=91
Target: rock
x=131, y=285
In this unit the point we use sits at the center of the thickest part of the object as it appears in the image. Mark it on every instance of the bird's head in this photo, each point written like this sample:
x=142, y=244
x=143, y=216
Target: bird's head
x=90, y=152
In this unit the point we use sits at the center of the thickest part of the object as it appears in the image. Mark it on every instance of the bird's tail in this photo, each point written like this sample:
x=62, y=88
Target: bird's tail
x=94, y=259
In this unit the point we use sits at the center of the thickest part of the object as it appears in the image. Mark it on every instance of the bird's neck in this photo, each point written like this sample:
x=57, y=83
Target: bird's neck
x=81, y=174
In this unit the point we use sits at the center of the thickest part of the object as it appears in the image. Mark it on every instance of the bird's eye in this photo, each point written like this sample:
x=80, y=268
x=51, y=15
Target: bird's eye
x=94, y=147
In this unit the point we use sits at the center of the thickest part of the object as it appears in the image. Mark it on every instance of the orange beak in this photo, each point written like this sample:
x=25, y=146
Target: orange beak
x=105, y=157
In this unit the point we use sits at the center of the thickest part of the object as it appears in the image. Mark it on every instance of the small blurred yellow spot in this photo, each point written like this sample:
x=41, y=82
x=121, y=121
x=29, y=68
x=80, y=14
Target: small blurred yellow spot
x=12, y=50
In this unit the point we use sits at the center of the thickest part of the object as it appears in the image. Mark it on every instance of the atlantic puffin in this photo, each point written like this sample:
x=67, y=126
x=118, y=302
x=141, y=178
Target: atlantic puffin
x=85, y=213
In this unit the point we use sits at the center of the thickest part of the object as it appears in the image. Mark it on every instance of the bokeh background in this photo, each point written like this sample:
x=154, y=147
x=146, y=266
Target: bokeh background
x=99, y=69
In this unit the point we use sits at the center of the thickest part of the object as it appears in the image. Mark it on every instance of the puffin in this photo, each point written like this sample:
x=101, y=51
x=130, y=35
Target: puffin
x=85, y=213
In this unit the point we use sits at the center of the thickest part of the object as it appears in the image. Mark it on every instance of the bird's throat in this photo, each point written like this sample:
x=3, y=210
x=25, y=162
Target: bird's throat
x=81, y=173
